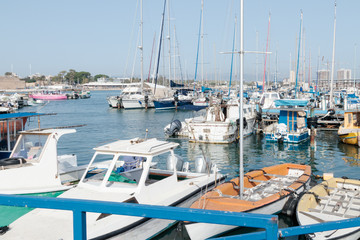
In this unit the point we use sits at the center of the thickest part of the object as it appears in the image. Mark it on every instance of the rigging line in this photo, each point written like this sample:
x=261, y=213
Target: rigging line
x=152, y=51
x=131, y=40
x=267, y=45
x=135, y=57
x=197, y=52
x=298, y=58
x=161, y=33
x=232, y=55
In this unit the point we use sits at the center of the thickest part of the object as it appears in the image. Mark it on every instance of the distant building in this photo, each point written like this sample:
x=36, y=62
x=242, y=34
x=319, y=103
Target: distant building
x=323, y=79
x=344, y=74
x=344, y=79
x=324, y=75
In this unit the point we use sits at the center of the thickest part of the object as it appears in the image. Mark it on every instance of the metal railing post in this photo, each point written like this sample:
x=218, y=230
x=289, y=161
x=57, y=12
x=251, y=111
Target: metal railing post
x=272, y=229
x=79, y=225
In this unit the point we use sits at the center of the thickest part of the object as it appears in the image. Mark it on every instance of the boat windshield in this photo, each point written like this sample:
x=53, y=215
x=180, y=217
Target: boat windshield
x=127, y=169
x=30, y=147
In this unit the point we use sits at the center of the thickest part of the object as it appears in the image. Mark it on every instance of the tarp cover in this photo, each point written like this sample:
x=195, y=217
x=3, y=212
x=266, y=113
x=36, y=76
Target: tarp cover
x=291, y=102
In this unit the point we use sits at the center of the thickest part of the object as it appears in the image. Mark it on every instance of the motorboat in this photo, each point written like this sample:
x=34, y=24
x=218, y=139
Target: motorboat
x=332, y=200
x=48, y=95
x=265, y=191
x=138, y=171
x=219, y=124
x=349, y=131
x=291, y=126
x=34, y=165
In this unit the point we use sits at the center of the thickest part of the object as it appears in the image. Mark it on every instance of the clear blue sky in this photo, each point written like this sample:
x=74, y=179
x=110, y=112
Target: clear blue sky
x=101, y=36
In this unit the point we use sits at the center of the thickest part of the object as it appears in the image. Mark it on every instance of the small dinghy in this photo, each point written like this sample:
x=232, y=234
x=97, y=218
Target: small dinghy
x=332, y=200
x=265, y=191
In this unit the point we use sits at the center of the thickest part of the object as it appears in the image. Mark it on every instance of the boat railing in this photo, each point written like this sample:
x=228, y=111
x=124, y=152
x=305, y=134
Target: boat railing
x=81, y=207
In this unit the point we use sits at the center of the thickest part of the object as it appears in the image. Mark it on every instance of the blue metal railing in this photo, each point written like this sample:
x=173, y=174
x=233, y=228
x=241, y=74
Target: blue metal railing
x=81, y=207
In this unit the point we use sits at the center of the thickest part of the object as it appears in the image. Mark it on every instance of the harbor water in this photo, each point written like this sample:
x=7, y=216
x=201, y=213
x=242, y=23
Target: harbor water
x=103, y=124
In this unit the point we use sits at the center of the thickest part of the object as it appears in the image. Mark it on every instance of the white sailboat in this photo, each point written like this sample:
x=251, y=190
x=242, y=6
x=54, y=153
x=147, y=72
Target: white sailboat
x=141, y=99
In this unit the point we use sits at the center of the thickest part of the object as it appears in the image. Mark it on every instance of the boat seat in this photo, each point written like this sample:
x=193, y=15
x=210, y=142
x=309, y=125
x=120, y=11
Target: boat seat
x=343, y=190
x=279, y=176
x=337, y=200
x=332, y=213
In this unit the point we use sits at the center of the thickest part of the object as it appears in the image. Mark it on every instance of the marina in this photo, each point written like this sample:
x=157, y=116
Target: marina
x=104, y=124
x=174, y=155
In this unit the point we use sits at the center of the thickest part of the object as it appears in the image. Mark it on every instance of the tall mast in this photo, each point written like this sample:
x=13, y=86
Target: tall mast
x=168, y=37
x=332, y=64
x=202, y=42
x=175, y=55
x=298, y=57
x=141, y=45
x=241, y=169
x=267, y=45
x=355, y=68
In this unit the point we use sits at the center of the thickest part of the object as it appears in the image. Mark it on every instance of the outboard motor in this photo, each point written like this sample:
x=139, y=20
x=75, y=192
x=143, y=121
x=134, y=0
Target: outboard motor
x=202, y=165
x=177, y=161
x=175, y=127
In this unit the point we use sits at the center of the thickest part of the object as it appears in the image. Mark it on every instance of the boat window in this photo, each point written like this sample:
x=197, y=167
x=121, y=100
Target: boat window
x=127, y=169
x=99, y=167
x=349, y=117
x=30, y=147
x=357, y=119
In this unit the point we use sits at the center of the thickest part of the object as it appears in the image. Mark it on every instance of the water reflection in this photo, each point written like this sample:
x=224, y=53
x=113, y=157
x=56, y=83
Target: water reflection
x=352, y=153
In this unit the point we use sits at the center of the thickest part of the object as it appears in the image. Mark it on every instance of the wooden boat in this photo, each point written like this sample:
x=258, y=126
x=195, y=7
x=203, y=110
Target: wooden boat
x=332, y=200
x=266, y=191
x=349, y=131
x=144, y=171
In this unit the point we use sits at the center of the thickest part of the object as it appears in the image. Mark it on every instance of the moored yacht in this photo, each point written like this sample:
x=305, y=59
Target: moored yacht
x=138, y=171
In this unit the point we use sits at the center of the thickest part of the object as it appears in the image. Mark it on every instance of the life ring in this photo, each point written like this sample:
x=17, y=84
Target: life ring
x=12, y=161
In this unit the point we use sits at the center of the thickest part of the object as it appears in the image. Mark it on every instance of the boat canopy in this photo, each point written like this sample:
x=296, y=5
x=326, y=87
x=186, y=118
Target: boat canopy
x=291, y=102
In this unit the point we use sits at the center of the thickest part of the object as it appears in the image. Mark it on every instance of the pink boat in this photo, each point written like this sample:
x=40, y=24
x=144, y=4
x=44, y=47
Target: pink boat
x=48, y=96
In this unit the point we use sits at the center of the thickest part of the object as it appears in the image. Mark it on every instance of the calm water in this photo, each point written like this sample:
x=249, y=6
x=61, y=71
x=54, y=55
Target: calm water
x=104, y=124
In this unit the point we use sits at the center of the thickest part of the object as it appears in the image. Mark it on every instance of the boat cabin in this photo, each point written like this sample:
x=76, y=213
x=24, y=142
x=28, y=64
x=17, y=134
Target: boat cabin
x=11, y=124
x=134, y=165
x=34, y=165
x=294, y=119
x=352, y=119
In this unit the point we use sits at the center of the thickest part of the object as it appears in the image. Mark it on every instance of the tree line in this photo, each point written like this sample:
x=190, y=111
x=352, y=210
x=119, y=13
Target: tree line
x=71, y=77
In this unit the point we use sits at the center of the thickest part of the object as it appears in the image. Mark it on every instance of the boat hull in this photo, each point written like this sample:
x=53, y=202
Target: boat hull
x=350, y=138
x=109, y=226
x=332, y=200
x=136, y=104
x=288, y=138
x=224, y=199
x=170, y=104
x=48, y=96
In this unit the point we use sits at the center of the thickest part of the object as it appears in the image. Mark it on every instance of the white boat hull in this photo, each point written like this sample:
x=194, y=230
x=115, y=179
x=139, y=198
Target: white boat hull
x=136, y=104
x=206, y=230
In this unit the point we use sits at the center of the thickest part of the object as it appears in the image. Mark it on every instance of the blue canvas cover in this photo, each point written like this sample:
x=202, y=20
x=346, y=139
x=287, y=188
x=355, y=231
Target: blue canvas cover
x=291, y=102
